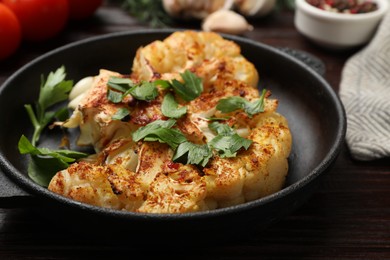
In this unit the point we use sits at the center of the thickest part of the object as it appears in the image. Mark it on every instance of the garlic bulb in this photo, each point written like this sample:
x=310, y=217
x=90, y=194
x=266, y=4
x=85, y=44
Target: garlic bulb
x=197, y=9
x=255, y=8
x=226, y=21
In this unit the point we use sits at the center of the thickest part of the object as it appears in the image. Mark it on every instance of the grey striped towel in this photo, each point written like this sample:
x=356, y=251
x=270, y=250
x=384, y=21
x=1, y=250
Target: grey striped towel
x=365, y=93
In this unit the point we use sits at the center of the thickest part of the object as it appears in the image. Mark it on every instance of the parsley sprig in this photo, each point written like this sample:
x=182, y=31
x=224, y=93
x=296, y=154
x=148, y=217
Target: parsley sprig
x=46, y=162
x=234, y=103
x=52, y=91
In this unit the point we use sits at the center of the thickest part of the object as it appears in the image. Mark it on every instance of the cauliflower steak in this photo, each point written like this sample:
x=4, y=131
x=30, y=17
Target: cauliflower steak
x=187, y=130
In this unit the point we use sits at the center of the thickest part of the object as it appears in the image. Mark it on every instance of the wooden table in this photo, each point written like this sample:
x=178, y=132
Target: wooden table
x=347, y=218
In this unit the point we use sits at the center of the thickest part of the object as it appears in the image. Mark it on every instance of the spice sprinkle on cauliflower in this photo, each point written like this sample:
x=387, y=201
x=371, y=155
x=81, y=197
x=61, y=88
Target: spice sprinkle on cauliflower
x=187, y=130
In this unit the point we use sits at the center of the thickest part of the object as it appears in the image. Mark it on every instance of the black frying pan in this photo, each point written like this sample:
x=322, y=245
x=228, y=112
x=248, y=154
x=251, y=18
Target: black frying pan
x=314, y=112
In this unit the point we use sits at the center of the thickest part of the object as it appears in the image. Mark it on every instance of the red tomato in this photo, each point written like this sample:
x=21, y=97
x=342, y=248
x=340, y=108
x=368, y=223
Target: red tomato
x=40, y=19
x=10, y=32
x=81, y=9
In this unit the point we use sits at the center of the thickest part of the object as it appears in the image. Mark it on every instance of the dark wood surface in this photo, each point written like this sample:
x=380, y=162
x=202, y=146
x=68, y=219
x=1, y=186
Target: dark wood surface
x=347, y=218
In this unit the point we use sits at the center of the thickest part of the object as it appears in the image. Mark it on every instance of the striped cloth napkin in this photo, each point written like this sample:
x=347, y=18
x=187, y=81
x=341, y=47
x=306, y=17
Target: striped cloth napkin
x=365, y=93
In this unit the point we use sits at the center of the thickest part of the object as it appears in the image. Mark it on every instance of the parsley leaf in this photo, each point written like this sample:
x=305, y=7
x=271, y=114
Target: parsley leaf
x=52, y=91
x=172, y=137
x=25, y=147
x=55, y=89
x=234, y=103
x=161, y=131
x=191, y=153
x=221, y=129
x=230, y=104
x=114, y=96
x=45, y=163
x=228, y=145
x=121, y=87
x=164, y=84
x=256, y=106
x=191, y=88
x=144, y=91
x=42, y=169
x=121, y=113
x=170, y=108
x=120, y=84
x=145, y=130
x=227, y=142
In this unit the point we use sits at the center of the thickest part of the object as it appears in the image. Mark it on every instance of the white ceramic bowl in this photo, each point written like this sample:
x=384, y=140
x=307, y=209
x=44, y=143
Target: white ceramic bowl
x=337, y=30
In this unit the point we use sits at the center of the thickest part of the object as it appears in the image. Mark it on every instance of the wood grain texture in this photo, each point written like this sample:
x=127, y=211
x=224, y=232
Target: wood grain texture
x=347, y=218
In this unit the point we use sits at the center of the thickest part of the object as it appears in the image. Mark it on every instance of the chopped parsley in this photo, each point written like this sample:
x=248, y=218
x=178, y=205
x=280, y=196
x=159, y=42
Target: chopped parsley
x=170, y=108
x=191, y=88
x=190, y=153
x=234, y=103
x=119, y=88
x=188, y=90
x=145, y=91
x=121, y=113
x=227, y=143
x=221, y=129
x=160, y=131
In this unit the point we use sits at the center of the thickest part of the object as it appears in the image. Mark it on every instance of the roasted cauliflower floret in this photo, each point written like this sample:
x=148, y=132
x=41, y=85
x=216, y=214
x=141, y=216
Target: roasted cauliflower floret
x=256, y=172
x=153, y=157
x=109, y=186
x=207, y=53
x=179, y=189
x=123, y=152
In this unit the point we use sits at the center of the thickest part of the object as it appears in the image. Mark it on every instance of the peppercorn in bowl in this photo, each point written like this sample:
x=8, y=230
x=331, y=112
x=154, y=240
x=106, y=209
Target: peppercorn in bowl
x=339, y=24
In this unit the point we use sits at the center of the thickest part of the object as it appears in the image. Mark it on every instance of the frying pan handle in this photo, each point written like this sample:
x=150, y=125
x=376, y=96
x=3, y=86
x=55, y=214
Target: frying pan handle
x=12, y=196
x=310, y=60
